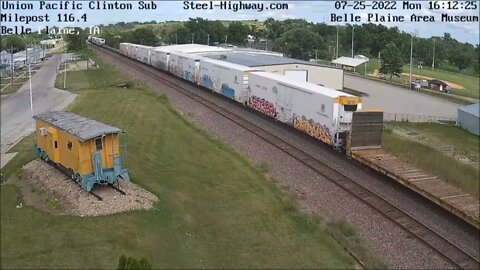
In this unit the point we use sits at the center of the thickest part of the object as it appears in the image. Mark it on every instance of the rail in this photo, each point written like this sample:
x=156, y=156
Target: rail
x=441, y=245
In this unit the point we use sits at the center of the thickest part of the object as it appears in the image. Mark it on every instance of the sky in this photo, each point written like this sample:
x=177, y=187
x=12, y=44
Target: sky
x=312, y=11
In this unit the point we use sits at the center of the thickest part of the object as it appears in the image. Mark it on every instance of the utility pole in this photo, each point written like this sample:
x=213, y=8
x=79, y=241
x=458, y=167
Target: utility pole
x=266, y=44
x=31, y=94
x=12, y=66
x=192, y=38
x=208, y=39
x=336, y=52
x=433, y=61
x=226, y=37
x=353, y=33
x=65, y=74
x=176, y=40
x=411, y=62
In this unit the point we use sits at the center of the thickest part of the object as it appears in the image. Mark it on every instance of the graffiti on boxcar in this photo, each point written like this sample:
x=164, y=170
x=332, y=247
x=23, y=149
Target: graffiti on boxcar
x=316, y=130
x=227, y=91
x=187, y=75
x=262, y=106
x=206, y=81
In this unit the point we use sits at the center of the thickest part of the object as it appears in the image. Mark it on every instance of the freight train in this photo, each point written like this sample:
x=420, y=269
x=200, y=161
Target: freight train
x=330, y=116
x=320, y=112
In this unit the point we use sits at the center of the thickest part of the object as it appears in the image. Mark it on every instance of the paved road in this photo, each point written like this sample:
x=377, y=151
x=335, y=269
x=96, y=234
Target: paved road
x=394, y=99
x=16, y=118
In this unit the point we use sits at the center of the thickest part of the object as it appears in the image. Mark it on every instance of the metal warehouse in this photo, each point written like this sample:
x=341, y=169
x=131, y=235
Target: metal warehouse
x=468, y=118
x=292, y=68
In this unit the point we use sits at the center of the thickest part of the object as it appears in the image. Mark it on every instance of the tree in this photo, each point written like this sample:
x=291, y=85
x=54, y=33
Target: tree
x=299, y=43
x=143, y=36
x=391, y=61
x=16, y=42
x=76, y=41
x=238, y=32
x=462, y=60
x=131, y=263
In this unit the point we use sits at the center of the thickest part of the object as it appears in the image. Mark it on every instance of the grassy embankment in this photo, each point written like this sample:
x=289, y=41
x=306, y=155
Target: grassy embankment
x=427, y=155
x=215, y=209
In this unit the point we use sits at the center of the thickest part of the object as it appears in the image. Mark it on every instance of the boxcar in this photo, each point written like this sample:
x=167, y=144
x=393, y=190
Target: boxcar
x=87, y=149
x=320, y=112
x=230, y=80
x=159, y=58
x=142, y=53
x=126, y=49
x=184, y=66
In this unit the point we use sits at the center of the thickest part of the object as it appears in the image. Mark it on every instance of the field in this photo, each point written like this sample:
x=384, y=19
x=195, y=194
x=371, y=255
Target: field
x=215, y=210
x=443, y=150
x=470, y=84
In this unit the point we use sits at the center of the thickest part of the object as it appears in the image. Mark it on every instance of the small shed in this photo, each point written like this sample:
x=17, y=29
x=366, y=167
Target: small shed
x=438, y=85
x=349, y=63
x=468, y=118
x=87, y=149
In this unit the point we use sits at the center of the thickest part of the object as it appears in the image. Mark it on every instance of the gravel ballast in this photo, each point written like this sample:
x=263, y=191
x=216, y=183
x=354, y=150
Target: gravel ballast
x=75, y=201
x=320, y=196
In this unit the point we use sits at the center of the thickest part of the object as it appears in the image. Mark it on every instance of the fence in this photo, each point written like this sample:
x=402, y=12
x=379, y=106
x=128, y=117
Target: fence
x=401, y=117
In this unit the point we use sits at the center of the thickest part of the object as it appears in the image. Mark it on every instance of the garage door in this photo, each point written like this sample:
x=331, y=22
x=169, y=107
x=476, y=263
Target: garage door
x=298, y=75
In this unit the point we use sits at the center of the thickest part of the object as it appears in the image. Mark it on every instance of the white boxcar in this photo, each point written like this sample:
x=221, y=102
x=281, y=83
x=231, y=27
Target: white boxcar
x=159, y=58
x=320, y=112
x=228, y=79
x=184, y=66
x=125, y=49
x=142, y=53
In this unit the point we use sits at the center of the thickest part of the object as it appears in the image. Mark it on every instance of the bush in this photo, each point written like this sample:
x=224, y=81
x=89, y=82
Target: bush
x=131, y=263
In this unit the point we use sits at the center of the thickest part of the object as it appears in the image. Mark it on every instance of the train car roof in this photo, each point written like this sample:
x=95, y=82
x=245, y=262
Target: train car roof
x=229, y=65
x=81, y=127
x=259, y=59
x=192, y=48
x=187, y=55
x=314, y=88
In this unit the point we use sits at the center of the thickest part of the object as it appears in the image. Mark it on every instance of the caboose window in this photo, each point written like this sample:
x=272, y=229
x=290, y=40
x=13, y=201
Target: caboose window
x=350, y=108
x=56, y=145
x=98, y=144
x=69, y=145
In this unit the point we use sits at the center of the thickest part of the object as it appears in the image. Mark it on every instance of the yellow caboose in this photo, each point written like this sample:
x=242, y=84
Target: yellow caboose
x=88, y=149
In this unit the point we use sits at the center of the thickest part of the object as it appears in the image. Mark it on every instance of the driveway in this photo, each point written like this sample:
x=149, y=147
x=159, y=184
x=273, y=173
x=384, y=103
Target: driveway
x=16, y=117
x=394, y=99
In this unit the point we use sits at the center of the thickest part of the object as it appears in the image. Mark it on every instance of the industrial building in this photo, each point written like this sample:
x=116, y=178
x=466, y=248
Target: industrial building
x=305, y=71
x=468, y=118
x=291, y=68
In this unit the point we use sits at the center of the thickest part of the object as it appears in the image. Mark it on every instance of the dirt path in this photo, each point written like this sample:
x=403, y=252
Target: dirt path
x=451, y=84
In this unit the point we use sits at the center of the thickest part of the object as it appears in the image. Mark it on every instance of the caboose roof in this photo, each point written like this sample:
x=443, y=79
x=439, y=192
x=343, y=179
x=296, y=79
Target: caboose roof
x=81, y=127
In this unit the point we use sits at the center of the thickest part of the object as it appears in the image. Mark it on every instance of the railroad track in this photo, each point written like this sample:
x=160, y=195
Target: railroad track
x=428, y=236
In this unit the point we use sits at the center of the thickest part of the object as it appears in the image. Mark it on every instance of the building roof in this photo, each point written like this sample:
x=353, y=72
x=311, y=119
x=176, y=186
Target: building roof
x=438, y=82
x=228, y=64
x=349, y=61
x=255, y=59
x=81, y=127
x=304, y=86
x=473, y=109
x=192, y=48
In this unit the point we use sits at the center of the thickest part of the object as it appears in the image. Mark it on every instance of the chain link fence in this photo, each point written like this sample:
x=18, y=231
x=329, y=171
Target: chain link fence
x=400, y=117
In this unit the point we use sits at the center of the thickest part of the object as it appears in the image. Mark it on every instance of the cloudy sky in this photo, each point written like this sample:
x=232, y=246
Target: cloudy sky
x=314, y=11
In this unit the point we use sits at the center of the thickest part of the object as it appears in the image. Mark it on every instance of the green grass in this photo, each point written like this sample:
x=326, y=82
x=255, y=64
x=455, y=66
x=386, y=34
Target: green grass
x=25, y=155
x=434, y=161
x=215, y=209
x=471, y=83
